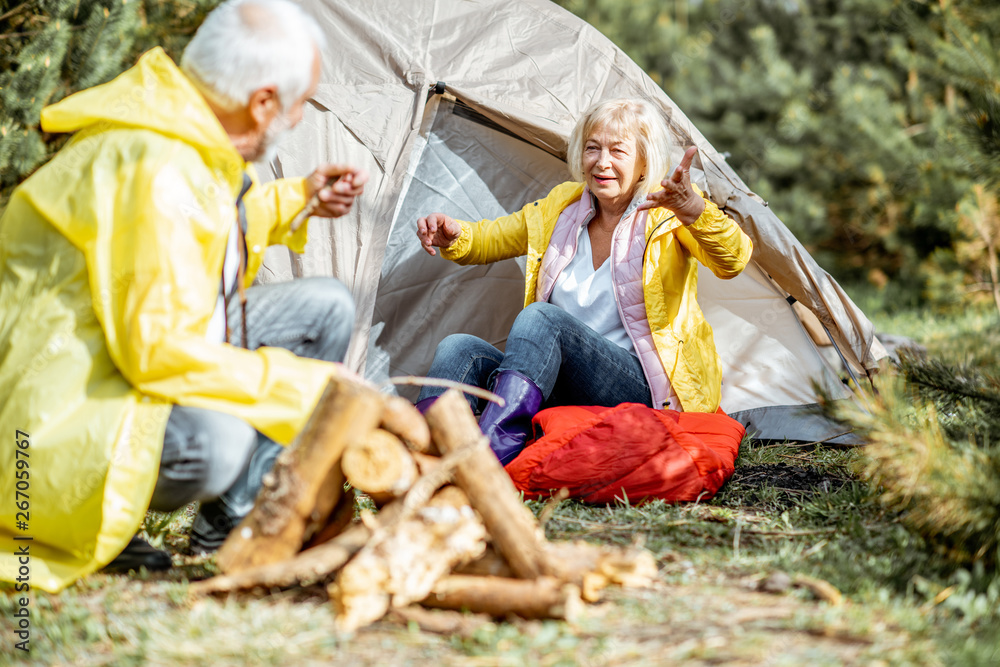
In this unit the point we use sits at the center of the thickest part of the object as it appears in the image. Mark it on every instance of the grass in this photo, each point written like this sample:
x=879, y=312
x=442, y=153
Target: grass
x=904, y=603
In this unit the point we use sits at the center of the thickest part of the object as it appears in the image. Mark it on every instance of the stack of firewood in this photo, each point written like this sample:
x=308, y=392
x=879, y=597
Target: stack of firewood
x=451, y=531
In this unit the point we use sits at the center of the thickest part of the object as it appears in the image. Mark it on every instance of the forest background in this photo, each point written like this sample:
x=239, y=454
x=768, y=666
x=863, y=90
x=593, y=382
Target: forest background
x=872, y=127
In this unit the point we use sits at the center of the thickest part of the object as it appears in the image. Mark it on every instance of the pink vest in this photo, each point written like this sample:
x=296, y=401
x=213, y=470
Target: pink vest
x=627, y=249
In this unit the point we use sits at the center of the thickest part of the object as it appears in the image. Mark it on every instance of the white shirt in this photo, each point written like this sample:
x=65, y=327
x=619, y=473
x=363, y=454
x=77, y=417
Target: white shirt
x=588, y=294
x=230, y=271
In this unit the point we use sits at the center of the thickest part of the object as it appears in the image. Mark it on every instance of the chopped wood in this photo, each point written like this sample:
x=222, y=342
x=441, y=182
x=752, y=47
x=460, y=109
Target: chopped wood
x=340, y=519
x=490, y=564
x=449, y=496
x=588, y=566
x=400, y=418
x=546, y=597
x=380, y=465
x=329, y=497
x=429, y=542
x=513, y=528
x=308, y=567
x=823, y=590
x=311, y=566
x=426, y=463
x=594, y=567
x=401, y=563
x=275, y=528
x=429, y=484
x=551, y=505
x=440, y=621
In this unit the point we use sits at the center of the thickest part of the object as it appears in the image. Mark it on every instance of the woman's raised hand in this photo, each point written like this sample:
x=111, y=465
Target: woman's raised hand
x=438, y=230
x=677, y=194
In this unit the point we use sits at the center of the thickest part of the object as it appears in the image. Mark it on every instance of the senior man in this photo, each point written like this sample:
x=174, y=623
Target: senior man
x=136, y=368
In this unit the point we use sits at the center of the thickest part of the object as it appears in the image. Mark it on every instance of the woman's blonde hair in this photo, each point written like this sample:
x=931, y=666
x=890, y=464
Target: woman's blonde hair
x=635, y=119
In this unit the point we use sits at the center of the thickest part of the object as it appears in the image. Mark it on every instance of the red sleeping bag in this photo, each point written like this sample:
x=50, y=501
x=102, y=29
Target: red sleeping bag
x=630, y=450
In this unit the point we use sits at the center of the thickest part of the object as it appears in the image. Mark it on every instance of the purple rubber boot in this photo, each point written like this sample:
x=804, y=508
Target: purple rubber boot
x=509, y=428
x=425, y=403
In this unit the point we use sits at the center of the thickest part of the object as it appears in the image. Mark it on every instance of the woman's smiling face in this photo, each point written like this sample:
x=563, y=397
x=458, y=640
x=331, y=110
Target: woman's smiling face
x=612, y=167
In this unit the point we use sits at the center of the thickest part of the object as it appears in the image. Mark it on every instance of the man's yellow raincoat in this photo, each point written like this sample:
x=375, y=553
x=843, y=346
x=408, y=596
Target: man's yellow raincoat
x=111, y=258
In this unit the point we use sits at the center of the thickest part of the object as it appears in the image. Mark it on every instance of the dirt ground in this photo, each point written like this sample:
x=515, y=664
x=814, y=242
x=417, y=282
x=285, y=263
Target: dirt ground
x=712, y=620
x=720, y=598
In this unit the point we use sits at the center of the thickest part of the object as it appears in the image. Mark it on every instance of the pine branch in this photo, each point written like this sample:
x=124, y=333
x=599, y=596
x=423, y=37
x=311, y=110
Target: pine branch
x=8, y=14
x=947, y=489
x=948, y=382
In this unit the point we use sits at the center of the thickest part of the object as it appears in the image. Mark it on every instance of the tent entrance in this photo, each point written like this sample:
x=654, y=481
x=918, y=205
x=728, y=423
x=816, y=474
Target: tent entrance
x=469, y=168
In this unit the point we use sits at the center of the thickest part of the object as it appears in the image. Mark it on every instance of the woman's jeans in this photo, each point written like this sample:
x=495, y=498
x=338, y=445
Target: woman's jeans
x=569, y=362
x=212, y=456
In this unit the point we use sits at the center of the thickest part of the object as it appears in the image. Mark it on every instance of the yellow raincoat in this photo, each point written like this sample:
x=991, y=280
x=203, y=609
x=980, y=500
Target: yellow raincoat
x=682, y=337
x=111, y=257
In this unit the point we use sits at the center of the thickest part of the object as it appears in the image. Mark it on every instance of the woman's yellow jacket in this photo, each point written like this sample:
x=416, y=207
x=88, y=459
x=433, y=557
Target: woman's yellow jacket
x=682, y=337
x=110, y=262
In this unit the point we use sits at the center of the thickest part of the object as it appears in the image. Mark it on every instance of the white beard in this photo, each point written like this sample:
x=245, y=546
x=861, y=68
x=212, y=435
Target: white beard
x=273, y=136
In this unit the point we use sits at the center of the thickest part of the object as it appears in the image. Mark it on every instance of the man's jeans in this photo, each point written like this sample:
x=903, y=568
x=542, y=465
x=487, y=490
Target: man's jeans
x=219, y=459
x=570, y=362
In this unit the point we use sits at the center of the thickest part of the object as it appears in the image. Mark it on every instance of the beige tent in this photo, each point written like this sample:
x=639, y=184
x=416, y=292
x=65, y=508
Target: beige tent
x=465, y=107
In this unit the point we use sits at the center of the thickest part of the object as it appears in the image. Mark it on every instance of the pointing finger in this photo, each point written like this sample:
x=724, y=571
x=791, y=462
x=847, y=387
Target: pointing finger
x=685, y=164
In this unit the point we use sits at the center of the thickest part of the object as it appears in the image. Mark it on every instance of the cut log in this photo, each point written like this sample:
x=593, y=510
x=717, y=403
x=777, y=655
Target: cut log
x=380, y=465
x=440, y=621
x=329, y=497
x=449, y=496
x=513, y=528
x=275, y=528
x=400, y=418
x=426, y=463
x=311, y=566
x=590, y=567
x=546, y=597
x=593, y=567
x=401, y=563
x=490, y=564
x=340, y=519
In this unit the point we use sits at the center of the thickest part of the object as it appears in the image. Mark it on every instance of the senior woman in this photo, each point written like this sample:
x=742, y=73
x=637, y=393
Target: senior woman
x=610, y=311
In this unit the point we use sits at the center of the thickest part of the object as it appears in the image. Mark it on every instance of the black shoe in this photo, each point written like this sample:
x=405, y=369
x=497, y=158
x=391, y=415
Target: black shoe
x=139, y=553
x=210, y=529
x=217, y=518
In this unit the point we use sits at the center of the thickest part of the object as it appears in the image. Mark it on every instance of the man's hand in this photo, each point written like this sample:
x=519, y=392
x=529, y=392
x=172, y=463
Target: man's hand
x=677, y=194
x=337, y=185
x=345, y=373
x=438, y=230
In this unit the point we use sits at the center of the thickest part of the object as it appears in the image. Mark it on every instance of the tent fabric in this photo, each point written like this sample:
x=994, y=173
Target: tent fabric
x=629, y=452
x=514, y=77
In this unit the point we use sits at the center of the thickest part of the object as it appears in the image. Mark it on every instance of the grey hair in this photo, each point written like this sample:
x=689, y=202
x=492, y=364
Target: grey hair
x=245, y=45
x=635, y=119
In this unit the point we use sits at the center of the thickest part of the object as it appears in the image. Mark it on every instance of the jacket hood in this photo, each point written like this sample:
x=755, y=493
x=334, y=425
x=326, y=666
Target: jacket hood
x=153, y=95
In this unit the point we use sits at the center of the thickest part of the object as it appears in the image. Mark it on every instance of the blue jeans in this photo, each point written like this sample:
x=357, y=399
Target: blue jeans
x=571, y=363
x=212, y=456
